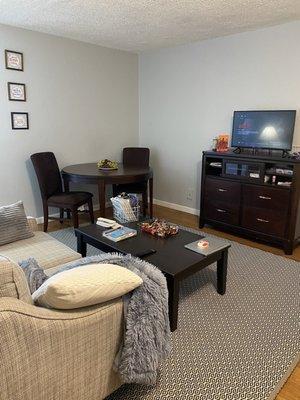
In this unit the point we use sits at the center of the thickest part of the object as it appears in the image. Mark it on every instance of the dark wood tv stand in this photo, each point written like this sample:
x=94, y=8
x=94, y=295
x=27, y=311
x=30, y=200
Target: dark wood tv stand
x=244, y=194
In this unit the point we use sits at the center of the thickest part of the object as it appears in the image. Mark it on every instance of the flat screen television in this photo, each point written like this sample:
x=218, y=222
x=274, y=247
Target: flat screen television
x=263, y=129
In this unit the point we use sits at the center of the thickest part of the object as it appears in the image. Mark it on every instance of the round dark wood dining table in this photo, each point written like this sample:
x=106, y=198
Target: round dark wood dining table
x=90, y=174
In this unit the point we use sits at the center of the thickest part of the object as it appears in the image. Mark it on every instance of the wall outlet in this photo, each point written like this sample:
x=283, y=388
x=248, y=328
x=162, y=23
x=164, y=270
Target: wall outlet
x=190, y=194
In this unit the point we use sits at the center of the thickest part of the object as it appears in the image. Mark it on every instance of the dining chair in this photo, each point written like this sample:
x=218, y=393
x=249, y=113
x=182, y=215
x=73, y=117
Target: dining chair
x=135, y=157
x=52, y=193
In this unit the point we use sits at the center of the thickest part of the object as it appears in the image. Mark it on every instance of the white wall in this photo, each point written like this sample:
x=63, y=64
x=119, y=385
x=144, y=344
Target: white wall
x=188, y=95
x=82, y=104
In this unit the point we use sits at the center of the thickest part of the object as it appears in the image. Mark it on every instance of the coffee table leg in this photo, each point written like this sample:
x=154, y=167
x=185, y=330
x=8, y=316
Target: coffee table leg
x=222, y=272
x=173, y=288
x=81, y=245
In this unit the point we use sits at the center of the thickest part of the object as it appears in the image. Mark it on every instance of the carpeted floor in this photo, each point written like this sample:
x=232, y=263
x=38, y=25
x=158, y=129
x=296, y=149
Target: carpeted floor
x=240, y=346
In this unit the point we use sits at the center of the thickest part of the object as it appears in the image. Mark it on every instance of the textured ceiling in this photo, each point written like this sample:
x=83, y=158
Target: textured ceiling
x=138, y=25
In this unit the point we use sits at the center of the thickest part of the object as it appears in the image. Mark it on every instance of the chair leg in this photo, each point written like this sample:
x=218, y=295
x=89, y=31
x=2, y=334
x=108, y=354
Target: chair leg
x=46, y=216
x=91, y=212
x=145, y=202
x=114, y=190
x=75, y=217
x=61, y=215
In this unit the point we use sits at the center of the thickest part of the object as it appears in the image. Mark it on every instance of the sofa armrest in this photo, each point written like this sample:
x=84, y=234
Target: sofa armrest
x=12, y=305
x=53, y=354
x=13, y=283
x=33, y=224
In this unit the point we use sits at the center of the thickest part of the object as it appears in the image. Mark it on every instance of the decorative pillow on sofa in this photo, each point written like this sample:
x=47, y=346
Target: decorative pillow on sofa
x=85, y=286
x=13, y=224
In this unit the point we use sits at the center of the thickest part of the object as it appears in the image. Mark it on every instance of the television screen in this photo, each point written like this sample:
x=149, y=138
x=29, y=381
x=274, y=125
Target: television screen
x=263, y=129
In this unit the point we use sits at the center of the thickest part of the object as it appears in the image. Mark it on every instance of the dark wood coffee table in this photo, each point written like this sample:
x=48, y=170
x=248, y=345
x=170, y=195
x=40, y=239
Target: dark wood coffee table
x=171, y=257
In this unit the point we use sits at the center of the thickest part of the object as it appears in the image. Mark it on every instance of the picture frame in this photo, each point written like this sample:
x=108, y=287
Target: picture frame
x=14, y=60
x=16, y=91
x=19, y=120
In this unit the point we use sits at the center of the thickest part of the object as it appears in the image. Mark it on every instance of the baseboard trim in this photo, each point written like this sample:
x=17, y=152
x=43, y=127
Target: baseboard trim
x=40, y=220
x=177, y=207
x=173, y=206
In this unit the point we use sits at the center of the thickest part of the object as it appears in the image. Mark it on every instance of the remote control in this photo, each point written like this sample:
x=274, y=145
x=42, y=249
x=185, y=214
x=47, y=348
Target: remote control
x=145, y=253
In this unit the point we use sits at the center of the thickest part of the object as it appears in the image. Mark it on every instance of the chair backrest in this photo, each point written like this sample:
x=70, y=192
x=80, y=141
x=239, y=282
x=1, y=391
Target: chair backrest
x=136, y=156
x=47, y=172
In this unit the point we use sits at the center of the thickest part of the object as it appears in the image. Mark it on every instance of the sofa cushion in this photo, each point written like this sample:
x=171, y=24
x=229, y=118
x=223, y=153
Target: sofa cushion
x=13, y=223
x=47, y=251
x=85, y=286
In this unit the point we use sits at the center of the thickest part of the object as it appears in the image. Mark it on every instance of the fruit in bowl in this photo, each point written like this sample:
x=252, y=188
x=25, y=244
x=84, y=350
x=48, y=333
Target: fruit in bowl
x=107, y=164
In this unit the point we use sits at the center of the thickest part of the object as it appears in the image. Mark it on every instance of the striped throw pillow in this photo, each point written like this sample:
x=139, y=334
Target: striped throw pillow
x=13, y=224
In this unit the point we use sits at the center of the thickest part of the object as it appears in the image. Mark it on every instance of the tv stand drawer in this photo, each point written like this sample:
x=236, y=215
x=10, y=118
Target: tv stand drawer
x=266, y=198
x=222, y=212
x=264, y=220
x=222, y=190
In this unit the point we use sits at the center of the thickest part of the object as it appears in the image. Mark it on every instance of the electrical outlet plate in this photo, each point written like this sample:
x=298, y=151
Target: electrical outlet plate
x=190, y=194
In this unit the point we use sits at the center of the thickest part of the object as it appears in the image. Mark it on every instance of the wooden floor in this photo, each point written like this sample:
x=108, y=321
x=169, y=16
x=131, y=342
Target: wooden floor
x=291, y=389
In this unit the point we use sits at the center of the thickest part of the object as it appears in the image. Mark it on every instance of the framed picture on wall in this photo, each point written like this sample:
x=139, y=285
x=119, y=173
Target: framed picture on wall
x=14, y=60
x=16, y=91
x=19, y=120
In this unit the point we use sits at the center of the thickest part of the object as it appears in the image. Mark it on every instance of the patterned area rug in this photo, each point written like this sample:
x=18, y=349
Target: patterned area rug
x=240, y=346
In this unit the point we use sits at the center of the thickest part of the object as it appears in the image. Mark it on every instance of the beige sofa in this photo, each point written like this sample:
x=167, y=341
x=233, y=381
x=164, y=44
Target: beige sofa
x=47, y=354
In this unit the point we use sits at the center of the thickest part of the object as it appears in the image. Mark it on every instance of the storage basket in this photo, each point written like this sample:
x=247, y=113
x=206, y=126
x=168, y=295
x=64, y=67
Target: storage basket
x=123, y=211
x=121, y=217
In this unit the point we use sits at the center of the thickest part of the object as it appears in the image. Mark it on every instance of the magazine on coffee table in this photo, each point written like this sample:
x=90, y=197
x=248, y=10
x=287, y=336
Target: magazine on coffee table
x=118, y=234
x=215, y=244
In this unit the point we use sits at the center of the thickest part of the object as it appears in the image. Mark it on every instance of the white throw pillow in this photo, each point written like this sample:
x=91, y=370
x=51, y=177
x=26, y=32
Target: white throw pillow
x=85, y=286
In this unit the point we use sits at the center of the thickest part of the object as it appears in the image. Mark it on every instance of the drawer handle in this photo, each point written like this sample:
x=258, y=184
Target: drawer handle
x=262, y=220
x=222, y=190
x=221, y=211
x=265, y=197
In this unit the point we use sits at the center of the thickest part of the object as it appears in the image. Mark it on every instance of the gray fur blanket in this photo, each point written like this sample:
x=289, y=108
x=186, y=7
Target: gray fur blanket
x=147, y=337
